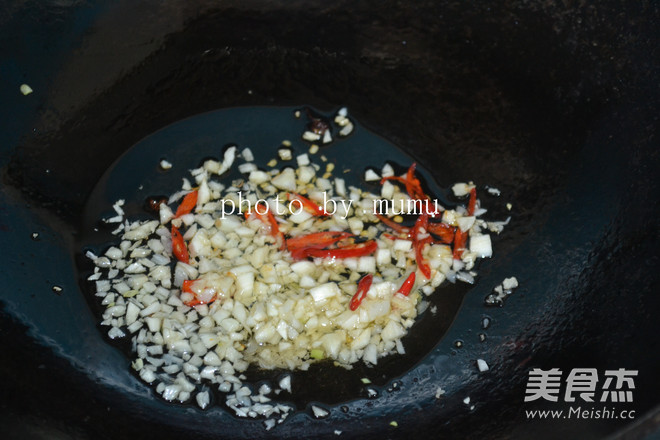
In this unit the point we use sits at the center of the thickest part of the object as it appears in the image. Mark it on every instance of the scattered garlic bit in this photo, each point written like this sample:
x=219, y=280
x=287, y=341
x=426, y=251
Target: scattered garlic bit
x=285, y=383
x=482, y=365
x=394, y=423
x=439, y=392
x=481, y=245
x=115, y=219
x=117, y=206
x=371, y=176
x=466, y=400
x=296, y=113
x=462, y=189
x=311, y=136
x=345, y=131
x=203, y=399
x=165, y=164
x=285, y=153
x=502, y=291
x=509, y=206
x=510, y=283
x=493, y=191
x=498, y=227
x=302, y=160
x=25, y=89
x=247, y=168
x=272, y=163
x=313, y=149
x=319, y=412
x=344, y=122
x=247, y=154
x=387, y=170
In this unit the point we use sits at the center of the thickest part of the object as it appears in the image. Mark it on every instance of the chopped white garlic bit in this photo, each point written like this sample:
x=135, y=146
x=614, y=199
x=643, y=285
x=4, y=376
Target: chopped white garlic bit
x=482, y=365
x=26, y=89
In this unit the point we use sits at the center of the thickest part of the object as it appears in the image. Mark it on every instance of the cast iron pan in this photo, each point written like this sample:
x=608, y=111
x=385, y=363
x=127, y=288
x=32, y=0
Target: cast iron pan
x=555, y=105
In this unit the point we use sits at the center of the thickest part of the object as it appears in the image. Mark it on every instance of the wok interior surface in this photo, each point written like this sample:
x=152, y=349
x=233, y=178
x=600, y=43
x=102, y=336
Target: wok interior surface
x=554, y=104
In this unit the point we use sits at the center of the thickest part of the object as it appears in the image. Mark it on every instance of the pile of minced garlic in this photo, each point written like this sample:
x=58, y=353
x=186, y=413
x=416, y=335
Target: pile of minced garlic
x=257, y=286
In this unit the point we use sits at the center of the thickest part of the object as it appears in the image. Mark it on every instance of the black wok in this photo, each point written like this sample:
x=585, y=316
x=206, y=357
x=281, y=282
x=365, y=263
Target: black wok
x=554, y=104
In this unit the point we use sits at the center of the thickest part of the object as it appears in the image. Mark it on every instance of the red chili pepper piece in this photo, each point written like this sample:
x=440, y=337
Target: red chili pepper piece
x=363, y=287
x=407, y=285
x=421, y=263
x=397, y=178
x=308, y=205
x=442, y=230
x=187, y=287
x=179, y=248
x=392, y=224
x=317, y=240
x=412, y=183
x=274, y=228
x=300, y=247
x=187, y=204
x=460, y=240
x=472, y=204
x=355, y=250
x=422, y=222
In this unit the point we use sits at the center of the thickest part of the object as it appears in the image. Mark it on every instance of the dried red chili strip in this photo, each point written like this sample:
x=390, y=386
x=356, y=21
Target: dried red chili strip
x=350, y=251
x=419, y=258
x=444, y=231
x=274, y=228
x=413, y=185
x=396, y=178
x=407, y=285
x=187, y=204
x=472, y=203
x=392, y=224
x=317, y=240
x=460, y=240
x=269, y=220
x=179, y=248
x=363, y=287
x=308, y=205
x=187, y=286
x=422, y=222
